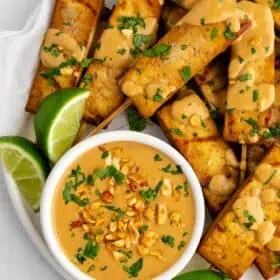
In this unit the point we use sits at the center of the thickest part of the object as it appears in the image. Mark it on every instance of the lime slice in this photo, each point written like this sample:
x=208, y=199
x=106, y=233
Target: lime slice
x=27, y=166
x=58, y=119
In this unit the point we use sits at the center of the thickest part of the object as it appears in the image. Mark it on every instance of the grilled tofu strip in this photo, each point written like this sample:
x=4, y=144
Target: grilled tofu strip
x=132, y=28
x=191, y=130
x=251, y=92
x=213, y=83
x=66, y=43
x=186, y=4
x=248, y=222
x=180, y=54
x=212, y=80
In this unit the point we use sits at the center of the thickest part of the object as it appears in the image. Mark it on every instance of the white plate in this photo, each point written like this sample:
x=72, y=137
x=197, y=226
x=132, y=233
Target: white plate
x=28, y=219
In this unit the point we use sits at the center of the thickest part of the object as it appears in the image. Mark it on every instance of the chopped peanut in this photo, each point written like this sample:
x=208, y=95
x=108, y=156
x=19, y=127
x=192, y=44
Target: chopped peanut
x=119, y=243
x=166, y=189
x=149, y=213
x=107, y=197
x=162, y=214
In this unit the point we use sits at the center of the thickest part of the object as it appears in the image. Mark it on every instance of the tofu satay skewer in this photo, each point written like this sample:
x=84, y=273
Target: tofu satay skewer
x=251, y=92
x=182, y=52
x=248, y=223
x=132, y=28
x=66, y=44
x=189, y=127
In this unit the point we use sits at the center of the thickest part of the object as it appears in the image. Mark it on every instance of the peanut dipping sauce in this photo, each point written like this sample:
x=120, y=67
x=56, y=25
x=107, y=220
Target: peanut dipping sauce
x=123, y=210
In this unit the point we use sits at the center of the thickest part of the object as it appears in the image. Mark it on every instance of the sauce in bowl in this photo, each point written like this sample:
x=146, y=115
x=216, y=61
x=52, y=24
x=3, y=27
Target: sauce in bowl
x=123, y=210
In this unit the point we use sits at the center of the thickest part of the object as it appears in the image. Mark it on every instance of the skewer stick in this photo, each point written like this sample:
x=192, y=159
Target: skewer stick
x=104, y=123
x=243, y=163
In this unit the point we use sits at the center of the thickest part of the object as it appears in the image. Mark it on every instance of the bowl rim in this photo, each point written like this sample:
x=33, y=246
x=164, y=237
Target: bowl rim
x=120, y=136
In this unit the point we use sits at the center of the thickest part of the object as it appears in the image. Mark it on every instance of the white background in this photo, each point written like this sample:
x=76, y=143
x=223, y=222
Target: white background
x=19, y=259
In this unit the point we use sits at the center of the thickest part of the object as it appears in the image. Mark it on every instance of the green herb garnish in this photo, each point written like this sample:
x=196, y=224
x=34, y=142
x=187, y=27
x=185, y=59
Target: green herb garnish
x=119, y=212
x=134, y=269
x=158, y=50
x=250, y=219
x=186, y=73
x=158, y=97
x=53, y=50
x=214, y=33
x=131, y=23
x=86, y=62
x=168, y=240
x=181, y=245
x=177, y=131
x=184, y=46
x=121, y=51
x=86, y=80
x=143, y=228
x=245, y=77
x=150, y=194
x=157, y=157
x=136, y=122
x=255, y=126
x=229, y=34
x=168, y=169
x=105, y=154
x=255, y=95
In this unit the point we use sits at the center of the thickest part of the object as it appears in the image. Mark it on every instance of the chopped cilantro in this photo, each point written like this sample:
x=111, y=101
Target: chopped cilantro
x=140, y=42
x=272, y=132
x=229, y=34
x=158, y=97
x=202, y=21
x=134, y=269
x=214, y=33
x=53, y=50
x=255, y=126
x=86, y=62
x=136, y=122
x=150, y=194
x=97, y=192
x=277, y=263
x=245, y=77
x=255, y=95
x=119, y=212
x=80, y=257
x=111, y=172
x=249, y=218
x=86, y=80
x=143, y=228
x=240, y=59
x=253, y=51
x=276, y=5
x=181, y=245
x=131, y=23
x=121, y=51
x=186, y=188
x=168, y=240
x=186, y=73
x=158, y=50
x=168, y=169
x=157, y=157
x=177, y=131
x=105, y=154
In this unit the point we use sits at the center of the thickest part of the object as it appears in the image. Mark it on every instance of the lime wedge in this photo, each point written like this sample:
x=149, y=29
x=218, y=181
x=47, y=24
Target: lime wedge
x=58, y=119
x=27, y=166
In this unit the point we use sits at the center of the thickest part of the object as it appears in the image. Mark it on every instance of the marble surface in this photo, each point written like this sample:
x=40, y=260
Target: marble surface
x=19, y=258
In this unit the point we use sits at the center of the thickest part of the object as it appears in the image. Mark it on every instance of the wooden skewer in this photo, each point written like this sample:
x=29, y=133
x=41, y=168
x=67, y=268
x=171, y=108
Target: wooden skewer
x=104, y=123
x=80, y=133
x=243, y=163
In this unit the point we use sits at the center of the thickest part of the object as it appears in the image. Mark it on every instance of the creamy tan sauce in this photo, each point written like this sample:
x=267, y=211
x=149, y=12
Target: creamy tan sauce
x=249, y=207
x=190, y=109
x=254, y=45
x=213, y=11
x=59, y=46
x=115, y=45
x=171, y=213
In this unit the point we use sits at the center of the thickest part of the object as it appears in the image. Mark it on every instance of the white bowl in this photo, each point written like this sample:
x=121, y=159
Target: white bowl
x=75, y=152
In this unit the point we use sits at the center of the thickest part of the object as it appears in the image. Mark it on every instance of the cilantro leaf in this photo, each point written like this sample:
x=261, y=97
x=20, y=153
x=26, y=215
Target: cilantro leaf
x=134, y=269
x=136, y=122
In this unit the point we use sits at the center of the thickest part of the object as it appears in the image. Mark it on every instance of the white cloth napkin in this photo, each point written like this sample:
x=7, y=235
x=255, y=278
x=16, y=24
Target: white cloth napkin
x=19, y=48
